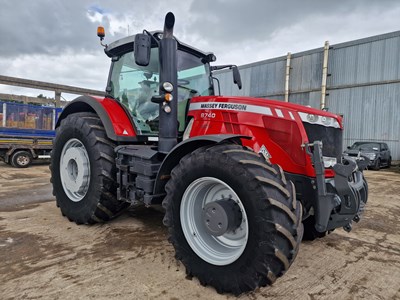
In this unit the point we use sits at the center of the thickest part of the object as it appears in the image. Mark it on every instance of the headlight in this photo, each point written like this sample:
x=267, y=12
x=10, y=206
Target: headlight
x=327, y=121
x=319, y=120
x=329, y=161
x=312, y=118
x=371, y=156
x=188, y=129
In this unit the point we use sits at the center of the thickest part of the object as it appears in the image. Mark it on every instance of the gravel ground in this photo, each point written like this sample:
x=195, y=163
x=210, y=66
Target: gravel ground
x=44, y=256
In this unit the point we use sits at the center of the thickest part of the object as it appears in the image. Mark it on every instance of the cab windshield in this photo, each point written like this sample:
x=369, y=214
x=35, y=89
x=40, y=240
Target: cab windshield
x=135, y=85
x=365, y=146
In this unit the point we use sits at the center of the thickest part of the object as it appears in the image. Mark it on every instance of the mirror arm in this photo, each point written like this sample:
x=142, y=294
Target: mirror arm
x=235, y=70
x=152, y=37
x=219, y=87
x=215, y=68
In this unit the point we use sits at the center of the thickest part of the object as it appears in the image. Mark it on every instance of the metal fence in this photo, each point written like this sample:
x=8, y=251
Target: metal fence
x=362, y=83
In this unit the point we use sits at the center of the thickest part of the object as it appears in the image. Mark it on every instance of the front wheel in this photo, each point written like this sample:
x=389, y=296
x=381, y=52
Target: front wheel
x=232, y=218
x=377, y=165
x=310, y=233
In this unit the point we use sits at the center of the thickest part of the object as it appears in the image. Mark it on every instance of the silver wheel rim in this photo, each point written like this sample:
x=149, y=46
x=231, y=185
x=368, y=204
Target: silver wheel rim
x=75, y=170
x=217, y=250
x=23, y=160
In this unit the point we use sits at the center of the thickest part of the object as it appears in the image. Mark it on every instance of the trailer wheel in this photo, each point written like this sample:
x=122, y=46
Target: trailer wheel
x=21, y=159
x=83, y=170
x=232, y=218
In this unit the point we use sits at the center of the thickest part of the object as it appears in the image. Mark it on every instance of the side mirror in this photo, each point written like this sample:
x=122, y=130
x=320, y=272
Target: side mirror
x=142, y=49
x=236, y=77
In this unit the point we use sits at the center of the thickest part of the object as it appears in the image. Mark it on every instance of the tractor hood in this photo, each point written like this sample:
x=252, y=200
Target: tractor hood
x=268, y=107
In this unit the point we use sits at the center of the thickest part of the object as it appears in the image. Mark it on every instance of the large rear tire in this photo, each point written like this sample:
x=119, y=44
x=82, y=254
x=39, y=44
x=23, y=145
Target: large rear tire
x=83, y=170
x=232, y=218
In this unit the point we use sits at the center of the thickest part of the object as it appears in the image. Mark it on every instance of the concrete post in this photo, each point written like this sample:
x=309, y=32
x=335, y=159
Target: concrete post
x=57, y=98
x=324, y=75
x=287, y=76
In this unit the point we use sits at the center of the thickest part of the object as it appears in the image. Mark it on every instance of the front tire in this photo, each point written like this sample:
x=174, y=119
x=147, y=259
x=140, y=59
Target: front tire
x=83, y=170
x=377, y=165
x=310, y=233
x=232, y=218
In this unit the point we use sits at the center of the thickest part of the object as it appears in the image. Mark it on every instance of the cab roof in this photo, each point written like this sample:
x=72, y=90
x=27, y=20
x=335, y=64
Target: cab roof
x=124, y=45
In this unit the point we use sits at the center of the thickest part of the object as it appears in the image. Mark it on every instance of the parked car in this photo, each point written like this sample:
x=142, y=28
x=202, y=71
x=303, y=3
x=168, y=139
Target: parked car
x=378, y=153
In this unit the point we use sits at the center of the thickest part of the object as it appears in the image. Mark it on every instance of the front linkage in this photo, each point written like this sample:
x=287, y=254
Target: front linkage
x=340, y=200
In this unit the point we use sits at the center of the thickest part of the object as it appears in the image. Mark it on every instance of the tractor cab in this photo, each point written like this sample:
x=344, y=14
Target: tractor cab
x=134, y=85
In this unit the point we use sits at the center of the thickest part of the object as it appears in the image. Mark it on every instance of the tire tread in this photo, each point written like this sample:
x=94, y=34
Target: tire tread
x=106, y=206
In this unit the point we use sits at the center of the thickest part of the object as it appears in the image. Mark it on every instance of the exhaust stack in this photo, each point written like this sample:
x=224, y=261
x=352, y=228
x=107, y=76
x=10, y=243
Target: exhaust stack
x=168, y=117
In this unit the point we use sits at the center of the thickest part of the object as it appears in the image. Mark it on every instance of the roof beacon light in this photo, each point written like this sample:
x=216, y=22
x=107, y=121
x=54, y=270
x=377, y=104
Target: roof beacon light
x=101, y=34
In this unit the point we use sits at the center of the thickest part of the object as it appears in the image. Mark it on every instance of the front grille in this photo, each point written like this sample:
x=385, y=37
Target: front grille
x=332, y=139
x=352, y=154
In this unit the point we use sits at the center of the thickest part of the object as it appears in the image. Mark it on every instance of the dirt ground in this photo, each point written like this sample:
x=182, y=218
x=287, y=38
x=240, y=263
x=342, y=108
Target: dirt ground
x=44, y=256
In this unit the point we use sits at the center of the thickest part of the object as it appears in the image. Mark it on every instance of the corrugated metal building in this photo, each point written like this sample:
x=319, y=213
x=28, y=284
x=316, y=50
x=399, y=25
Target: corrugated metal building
x=362, y=84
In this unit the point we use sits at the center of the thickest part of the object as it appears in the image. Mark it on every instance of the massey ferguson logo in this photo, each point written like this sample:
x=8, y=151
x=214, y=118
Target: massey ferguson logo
x=224, y=106
x=257, y=109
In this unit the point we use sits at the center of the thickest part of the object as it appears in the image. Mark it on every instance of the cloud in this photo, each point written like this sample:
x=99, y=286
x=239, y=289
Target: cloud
x=96, y=9
x=249, y=31
x=84, y=70
x=56, y=40
x=47, y=27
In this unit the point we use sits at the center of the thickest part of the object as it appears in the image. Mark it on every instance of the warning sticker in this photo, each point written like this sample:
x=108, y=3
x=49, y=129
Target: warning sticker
x=264, y=152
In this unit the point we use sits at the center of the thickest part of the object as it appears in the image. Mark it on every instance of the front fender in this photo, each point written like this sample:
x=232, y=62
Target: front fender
x=113, y=115
x=184, y=148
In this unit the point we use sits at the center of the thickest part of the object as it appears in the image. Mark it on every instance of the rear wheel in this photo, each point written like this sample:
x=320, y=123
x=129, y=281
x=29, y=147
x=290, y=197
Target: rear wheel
x=83, y=170
x=232, y=218
x=21, y=159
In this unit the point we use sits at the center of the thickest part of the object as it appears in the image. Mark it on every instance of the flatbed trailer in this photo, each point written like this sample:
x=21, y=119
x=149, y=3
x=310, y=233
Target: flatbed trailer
x=26, y=132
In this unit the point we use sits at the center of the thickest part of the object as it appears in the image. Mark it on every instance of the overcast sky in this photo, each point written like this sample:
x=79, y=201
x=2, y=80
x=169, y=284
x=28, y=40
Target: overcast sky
x=55, y=40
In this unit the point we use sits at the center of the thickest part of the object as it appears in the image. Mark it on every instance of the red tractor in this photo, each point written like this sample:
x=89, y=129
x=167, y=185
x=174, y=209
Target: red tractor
x=238, y=177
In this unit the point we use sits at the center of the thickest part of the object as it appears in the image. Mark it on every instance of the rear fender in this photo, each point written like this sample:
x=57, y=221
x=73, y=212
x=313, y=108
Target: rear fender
x=113, y=115
x=186, y=147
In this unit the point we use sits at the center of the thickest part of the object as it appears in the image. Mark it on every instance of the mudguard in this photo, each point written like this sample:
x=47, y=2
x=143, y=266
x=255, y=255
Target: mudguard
x=185, y=147
x=114, y=116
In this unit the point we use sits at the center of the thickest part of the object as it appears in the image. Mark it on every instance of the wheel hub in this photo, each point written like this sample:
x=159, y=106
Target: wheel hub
x=75, y=170
x=23, y=160
x=221, y=216
x=214, y=221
